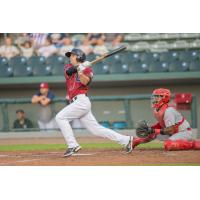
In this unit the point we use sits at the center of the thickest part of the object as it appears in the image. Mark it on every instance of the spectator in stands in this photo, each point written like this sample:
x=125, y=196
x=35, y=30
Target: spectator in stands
x=114, y=40
x=57, y=39
x=8, y=50
x=48, y=49
x=100, y=48
x=86, y=47
x=21, y=39
x=21, y=121
x=67, y=46
x=44, y=98
x=38, y=39
x=26, y=49
x=92, y=38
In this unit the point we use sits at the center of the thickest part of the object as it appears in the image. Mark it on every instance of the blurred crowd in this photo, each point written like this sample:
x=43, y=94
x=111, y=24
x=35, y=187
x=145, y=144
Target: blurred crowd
x=48, y=44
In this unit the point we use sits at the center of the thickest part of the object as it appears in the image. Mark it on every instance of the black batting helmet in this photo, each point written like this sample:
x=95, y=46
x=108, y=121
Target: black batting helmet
x=81, y=57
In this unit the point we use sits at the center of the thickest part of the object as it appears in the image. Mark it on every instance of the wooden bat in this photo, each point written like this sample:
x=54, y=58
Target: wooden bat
x=115, y=51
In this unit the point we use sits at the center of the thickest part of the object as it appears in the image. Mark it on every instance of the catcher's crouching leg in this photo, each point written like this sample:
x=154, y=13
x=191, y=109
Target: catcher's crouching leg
x=171, y=145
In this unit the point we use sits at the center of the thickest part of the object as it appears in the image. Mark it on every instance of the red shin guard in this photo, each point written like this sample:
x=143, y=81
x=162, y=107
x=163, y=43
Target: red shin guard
x=178, y=145
x=197, y=144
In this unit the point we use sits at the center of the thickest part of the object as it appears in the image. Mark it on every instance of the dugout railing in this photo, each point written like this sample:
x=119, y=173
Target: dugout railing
x=130, y=106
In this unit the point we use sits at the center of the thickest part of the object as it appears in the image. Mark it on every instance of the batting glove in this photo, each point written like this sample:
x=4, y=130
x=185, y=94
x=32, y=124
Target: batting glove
x=86, y=64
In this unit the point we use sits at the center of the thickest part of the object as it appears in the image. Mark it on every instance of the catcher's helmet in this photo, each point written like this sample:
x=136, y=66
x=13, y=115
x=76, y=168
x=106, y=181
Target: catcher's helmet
x=159, y=97
x=80, y=54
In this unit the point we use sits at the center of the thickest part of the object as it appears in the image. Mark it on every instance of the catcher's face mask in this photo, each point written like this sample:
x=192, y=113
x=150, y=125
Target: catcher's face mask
x=156, y=100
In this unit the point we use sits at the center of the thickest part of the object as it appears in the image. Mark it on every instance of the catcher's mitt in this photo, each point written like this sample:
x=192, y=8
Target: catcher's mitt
x=142, y=129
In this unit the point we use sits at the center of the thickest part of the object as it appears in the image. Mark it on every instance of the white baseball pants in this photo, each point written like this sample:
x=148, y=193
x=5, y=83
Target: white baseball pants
x=81, y=109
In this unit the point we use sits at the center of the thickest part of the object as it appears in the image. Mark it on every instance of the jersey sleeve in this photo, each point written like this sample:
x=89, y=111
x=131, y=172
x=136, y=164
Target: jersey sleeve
x=50, y=95
x=38, y=93
x=169, y=117
x=88, y=72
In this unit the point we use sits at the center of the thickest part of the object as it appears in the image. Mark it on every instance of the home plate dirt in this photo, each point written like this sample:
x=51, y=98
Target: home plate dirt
x=92, y=157
x=106, y=157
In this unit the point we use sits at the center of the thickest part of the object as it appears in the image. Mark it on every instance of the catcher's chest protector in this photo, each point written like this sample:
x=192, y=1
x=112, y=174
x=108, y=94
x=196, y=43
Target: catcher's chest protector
x=159, y=115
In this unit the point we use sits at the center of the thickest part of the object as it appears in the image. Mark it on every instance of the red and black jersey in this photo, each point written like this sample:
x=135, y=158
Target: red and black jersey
x=73, y=85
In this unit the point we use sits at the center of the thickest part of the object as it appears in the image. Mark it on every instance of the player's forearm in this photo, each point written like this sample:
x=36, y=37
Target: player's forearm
x=83, y=78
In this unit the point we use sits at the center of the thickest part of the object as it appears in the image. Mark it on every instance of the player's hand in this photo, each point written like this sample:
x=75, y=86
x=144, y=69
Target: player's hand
x=86, y=64
x=71, y=71
x=80, y=68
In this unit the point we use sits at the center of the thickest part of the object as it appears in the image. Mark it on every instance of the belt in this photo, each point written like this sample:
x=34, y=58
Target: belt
x=75, y=98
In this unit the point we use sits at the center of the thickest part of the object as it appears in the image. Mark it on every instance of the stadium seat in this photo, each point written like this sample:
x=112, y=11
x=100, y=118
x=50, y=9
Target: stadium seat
x=118, y=68
x=133, y=37
x=100, y=68
x=160, y=46
x=169, y=35
x=178, y=66
x=5, y=69
x=195, y=44
x=138, y=67
x=91, y=57
x=119, y=125
x=180, y=44
x=149, y=57
x=194, y=66
x=39, y=67
x=140, y=46
x=169, y=56
x=151, y=36
x=56, y=64
x=189, y=35
x=105, y=124
x=158, y=67
x=189, y=55
x=20, y=67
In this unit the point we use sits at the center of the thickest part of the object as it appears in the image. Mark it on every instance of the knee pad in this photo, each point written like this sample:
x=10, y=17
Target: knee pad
x=171, y=145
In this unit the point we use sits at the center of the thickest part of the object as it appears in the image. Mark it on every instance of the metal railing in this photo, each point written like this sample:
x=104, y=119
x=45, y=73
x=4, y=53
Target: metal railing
x=125, y=99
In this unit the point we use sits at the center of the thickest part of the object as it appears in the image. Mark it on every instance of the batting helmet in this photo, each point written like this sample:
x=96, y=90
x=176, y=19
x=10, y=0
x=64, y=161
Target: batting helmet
x=159, y=97
x=81, y=57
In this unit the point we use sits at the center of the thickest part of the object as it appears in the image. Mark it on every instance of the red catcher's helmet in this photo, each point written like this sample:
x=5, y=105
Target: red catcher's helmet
x=159, y=97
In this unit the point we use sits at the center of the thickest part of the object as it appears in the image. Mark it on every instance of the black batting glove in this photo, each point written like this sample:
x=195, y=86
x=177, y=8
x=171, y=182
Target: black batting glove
x=71, y=70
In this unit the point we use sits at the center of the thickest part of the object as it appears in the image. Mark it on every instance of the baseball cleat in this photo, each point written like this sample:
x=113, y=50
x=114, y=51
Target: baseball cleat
x=71, y=151
x=129, y=146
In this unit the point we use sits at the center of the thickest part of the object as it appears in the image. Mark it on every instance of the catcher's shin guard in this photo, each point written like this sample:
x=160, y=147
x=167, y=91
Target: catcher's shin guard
x=137, y=141
x=197, y=145
x=170, y=145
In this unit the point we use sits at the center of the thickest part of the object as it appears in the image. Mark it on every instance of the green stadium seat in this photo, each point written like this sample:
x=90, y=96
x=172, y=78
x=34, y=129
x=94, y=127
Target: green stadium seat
x=194, y=66
x=149, y=57
x=189, y=55
x=158, y=67
x=91, y=57
x=100, y=68
x=56, y=64
x=195, y=44
x=169, y=56
x=119, y=68
x=138, y=67
x=5, y=69
x=178, y=66
x=39, y=67
x=20, y=67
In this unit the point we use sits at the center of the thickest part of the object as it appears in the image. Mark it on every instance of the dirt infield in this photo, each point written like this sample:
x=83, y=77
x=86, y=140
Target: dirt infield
x=100, y=158
x=94, y=157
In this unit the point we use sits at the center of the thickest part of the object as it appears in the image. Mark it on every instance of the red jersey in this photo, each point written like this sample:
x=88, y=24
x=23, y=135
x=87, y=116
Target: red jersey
x=73, y=84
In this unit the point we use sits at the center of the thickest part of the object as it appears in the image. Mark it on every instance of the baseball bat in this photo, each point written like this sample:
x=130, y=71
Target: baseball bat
x=115, y=51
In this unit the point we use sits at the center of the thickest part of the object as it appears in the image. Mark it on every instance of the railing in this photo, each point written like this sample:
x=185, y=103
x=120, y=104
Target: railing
x=125, y=99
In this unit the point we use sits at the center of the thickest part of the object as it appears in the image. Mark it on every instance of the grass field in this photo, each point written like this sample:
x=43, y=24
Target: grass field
x=30, y=147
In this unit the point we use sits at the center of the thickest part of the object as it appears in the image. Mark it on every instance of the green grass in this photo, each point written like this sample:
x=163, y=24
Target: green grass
x=29, y=147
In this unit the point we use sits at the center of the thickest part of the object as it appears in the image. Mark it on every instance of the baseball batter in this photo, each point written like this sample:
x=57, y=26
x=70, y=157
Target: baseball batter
x=170, y=123
x=78, y=76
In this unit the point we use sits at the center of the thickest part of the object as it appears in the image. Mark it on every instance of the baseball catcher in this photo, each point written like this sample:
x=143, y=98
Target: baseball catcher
x=169, y=122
